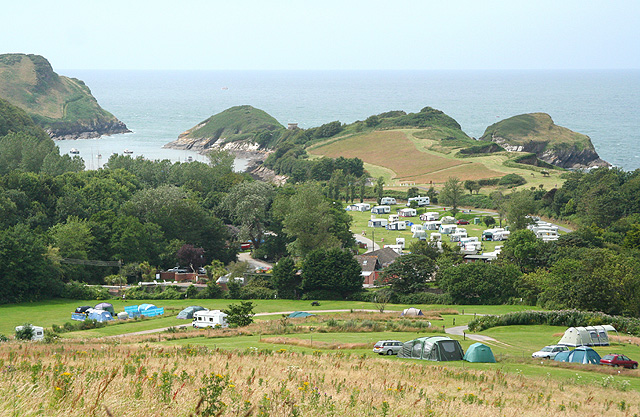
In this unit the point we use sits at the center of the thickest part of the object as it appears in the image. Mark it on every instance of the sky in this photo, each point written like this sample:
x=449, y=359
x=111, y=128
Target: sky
x=325, y=35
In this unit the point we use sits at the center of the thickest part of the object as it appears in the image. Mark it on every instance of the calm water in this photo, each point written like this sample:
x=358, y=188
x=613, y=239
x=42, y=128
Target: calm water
x=159, y=105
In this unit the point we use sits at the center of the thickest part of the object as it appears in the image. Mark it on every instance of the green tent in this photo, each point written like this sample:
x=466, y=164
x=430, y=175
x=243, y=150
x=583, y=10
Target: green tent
x=434, y=348
x=479, y=352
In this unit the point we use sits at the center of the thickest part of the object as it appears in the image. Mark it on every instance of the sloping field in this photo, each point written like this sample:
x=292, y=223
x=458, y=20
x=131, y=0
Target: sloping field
x=394, y=151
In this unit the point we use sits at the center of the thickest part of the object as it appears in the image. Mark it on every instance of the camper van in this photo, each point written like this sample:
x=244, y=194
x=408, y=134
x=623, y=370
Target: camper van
x=209, y=318
x=422, y=201
x=381, y=210
x=407, y=212
x=429, y=216
x=387, y=200
x=38, y=332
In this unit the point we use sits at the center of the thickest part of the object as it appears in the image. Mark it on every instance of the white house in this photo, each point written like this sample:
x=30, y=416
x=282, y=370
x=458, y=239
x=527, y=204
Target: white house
x=381, y=210
x=211, y=318
x=387, y=200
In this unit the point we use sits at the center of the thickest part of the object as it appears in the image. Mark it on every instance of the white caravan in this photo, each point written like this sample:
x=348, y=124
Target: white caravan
x=211, y=318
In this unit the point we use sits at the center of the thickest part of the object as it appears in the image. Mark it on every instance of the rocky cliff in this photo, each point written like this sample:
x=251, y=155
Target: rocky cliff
x=536, y=133
x=64, y=107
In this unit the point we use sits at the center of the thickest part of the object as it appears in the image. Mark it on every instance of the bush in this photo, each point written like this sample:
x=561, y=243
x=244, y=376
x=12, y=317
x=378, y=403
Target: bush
x=3, y=338
x=423, y=298
x=25, y=333
x=257, y=293
x=321, y=295
x=512, y=180
x=80, y=291
x=489, y=182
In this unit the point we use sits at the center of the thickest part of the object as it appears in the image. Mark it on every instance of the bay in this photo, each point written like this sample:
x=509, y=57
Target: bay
x=159, y=105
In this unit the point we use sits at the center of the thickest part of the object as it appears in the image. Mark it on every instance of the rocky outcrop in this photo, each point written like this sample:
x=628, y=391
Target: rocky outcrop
x=64, y=107
x=262, y=173
x=537, y=134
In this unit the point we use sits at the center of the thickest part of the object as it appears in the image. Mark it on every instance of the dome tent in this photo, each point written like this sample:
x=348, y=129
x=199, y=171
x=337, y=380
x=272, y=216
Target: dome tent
x=299, y=314
x=479, y=352
x=106, y=307
x=434, y=348
x=583, y=354
x=412, y=311
x=99, y=315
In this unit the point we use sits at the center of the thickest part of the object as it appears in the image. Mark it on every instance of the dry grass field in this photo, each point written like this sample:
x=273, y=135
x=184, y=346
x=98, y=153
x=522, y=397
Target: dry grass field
x=408, y=156
x=120, y=379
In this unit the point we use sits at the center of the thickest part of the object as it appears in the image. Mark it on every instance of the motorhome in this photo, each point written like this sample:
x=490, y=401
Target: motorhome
x=421, y=201
x=388, y=200
x=210, y=318
x=381, y=210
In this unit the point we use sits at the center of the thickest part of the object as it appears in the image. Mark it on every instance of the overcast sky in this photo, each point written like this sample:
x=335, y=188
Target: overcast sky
x=327, y=34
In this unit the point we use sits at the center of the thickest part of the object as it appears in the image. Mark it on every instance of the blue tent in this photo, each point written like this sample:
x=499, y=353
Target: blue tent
x=582, y=354
x=99, y=315
x=297, y=314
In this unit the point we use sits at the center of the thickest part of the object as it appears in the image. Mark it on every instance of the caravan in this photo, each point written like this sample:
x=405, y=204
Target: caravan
x=432, y=225
x=447, y=229
x=387, y=201
x=429, y=216
x=210, y=318
x=38, y=332
x=381, y=210
x=378, y=223
x=421, y=201
x=407, y=212
x=360, y=207
x=400, y=225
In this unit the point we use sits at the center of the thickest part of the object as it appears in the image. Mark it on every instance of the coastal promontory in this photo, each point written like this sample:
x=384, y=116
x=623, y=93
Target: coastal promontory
x=64, y=107
x=537, y=133
x=237, y=129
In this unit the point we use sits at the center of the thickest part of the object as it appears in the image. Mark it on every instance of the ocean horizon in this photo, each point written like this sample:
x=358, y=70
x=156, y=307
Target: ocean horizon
x=159, y=105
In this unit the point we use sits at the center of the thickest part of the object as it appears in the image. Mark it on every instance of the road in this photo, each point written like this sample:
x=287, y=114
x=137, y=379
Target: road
x=254, y=263
x=462, y=331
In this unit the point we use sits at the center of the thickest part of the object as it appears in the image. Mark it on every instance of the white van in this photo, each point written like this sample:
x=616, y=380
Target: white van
x=387, y=201
x=38, y=332
x=211, y=318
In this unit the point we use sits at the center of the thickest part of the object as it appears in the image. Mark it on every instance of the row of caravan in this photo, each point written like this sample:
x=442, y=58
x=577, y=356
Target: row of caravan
x=385, y=204
x=543, y=230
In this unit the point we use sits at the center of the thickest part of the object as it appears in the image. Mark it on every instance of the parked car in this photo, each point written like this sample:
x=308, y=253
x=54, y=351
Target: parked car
x=387, y=347
x=616, y=360
x=462, y=221
x=549, y=352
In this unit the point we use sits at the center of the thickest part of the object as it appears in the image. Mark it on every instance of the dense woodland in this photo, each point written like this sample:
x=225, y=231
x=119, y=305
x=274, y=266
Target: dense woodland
x=60, y=223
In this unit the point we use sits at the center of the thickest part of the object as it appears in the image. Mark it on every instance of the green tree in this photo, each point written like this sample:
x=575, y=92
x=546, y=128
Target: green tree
x=470, y=185
x=26, y=332
x=286, y=279
x=488, y=221
x=525, y=251
x=480, y=283
x=331, y=273
x=379, y=189
x=409, y=273
x=519, y=207
x=249, y=204
x=240, y=315
x=412, y=192
x=451, y=194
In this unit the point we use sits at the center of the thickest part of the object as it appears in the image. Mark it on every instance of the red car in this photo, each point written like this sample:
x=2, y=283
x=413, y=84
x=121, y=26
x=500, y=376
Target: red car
x=615, y=360
x=462, y=221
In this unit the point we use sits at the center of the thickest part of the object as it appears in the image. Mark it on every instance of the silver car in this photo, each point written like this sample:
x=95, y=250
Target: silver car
x=549, y=352
x=387, y=347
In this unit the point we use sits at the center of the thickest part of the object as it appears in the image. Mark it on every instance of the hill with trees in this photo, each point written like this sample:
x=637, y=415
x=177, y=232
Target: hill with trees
x=62, y=106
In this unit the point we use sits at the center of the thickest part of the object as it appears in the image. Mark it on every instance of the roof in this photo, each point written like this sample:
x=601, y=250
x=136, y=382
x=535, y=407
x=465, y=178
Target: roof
x=367, y=263
x=386, y=256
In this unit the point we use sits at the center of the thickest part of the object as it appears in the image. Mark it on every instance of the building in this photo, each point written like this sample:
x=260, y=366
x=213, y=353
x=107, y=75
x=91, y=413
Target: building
x=372, y=264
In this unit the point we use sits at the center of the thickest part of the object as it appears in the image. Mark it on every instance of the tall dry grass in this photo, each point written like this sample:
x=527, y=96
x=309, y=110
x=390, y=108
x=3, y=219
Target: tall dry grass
x=97, y=379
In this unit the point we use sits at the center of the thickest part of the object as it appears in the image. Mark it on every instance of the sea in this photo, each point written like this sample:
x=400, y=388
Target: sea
x=159, y=105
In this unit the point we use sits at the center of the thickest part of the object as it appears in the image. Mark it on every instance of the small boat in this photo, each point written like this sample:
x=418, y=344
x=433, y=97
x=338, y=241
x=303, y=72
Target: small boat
x=225, y=88
x=190, y=159
x=99, y=155
x=74, y=151
x=127, y=152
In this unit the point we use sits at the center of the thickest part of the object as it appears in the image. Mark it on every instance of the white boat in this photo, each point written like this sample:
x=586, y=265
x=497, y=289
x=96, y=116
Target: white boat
x=74, y=151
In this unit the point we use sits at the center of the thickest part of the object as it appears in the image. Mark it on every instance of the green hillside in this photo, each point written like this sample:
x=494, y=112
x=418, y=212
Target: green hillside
x=14, y=119
x=63, y=106
x=234, y=124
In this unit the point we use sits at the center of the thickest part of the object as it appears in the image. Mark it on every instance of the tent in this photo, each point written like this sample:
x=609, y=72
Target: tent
x=298, y=314
x=99, y=315
x=412, y=311
x=187, y=313
x=82, y=309
x=144, y=307
x=479, y=352
x=581, y=354
x=434, y=348
x=106, y=307
x=587, y=336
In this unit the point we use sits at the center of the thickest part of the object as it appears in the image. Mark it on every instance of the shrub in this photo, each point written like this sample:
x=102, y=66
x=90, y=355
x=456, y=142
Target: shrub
x=3, y=338
x=25, y=333
x=80, y=291
x=512, y=180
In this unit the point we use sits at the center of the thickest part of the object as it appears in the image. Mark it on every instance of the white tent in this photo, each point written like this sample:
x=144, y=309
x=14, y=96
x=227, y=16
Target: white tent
x=412, y=311
x=587, y=336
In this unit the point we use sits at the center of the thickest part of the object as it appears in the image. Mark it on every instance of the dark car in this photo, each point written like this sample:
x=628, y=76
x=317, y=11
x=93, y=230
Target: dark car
x=616, y=360
x=462, y=221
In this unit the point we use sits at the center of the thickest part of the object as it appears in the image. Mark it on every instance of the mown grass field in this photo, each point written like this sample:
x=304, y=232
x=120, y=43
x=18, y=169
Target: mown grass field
x=410, y=156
